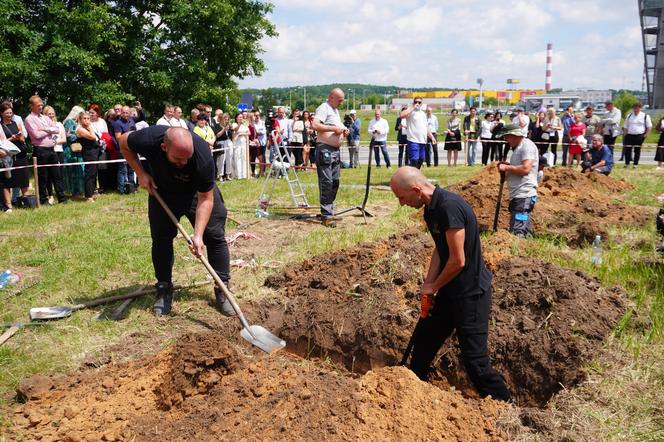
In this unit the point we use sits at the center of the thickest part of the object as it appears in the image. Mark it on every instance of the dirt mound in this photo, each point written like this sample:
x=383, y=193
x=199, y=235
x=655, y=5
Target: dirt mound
x=198, y=362
x=570, y=204
x=546, y=322
x=280, y=397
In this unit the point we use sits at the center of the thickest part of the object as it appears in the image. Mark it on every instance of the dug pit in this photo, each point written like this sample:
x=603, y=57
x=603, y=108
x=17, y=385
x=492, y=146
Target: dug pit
x=358, y=307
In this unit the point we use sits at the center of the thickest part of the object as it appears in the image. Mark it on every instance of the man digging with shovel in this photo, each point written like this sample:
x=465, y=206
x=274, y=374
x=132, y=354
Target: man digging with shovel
x=521, y=174
x=182, y=170
x=456, y=294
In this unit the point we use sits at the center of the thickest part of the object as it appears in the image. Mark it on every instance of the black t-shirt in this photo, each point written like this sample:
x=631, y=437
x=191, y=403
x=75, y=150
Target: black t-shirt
x=196, y=176
x=449, y=211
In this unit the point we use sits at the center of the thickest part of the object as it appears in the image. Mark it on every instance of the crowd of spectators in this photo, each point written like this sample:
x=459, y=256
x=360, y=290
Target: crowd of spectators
x=239, y=142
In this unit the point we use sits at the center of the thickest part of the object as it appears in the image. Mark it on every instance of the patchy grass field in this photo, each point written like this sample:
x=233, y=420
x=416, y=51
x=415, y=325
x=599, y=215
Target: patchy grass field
x=78, y=252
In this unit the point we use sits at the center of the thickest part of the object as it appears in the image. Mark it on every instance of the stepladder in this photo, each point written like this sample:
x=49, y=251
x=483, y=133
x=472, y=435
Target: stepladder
x=280, y=168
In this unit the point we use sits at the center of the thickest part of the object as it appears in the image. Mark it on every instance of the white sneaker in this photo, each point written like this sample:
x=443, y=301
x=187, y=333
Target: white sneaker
x=8, y=211
x=51, y=201
x=659, y=168
x=634, y=167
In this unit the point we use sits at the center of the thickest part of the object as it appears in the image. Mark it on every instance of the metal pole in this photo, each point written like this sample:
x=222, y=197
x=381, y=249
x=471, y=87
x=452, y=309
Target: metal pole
x=34, y=168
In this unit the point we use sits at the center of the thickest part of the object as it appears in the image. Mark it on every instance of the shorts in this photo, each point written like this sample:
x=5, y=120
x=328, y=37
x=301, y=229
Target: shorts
x=416, y=151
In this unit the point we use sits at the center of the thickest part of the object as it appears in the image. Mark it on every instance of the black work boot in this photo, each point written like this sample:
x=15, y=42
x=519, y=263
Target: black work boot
x=164, y=298
x=222, y=304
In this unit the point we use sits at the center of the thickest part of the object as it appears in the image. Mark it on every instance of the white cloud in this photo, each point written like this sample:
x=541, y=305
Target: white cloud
x=412, y=43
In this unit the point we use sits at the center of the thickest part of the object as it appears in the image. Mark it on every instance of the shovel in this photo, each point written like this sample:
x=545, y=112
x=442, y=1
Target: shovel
x=66, y=310
x=255, y=334
x=500, y=200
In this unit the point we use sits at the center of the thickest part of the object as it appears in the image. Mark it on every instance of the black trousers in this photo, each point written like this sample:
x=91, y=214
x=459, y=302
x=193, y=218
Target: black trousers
x=163, y=231
x=469, y=316
x=328, y=168
x=633, y=142
x=610, y=142
x=90, y=171
x=565, y=149
x=46, y=155
x=487, y=148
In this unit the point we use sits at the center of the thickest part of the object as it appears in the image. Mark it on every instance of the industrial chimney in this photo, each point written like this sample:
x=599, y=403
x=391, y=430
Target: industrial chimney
x=549, y=57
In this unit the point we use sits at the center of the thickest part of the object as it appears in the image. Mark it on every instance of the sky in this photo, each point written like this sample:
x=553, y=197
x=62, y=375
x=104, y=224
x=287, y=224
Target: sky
x=410, y=43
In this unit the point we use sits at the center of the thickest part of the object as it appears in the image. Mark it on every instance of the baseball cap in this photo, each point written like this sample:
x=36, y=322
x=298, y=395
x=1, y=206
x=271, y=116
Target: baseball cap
x=512, y=129
x=352, y=111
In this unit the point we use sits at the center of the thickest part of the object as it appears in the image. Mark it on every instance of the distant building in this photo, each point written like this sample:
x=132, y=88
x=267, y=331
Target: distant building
x=557, y=101
x=651, y=14
x=591, y=96
x=502, y=95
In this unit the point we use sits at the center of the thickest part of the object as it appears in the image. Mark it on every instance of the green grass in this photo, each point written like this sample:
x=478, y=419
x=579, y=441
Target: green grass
x=82, y=251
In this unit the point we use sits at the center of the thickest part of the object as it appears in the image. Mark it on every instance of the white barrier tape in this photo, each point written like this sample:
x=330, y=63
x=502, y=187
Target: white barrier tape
x=122, y=160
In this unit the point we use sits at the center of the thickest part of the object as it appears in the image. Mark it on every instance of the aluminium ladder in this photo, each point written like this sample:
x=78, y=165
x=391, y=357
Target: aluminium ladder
x=280, y=166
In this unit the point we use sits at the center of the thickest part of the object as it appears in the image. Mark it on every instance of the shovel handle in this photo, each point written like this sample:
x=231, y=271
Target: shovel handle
x=135, y=294
x=498, y=203
x=8, y=334
x=205, y=262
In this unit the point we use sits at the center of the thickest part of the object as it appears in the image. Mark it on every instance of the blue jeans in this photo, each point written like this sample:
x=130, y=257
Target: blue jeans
x=472, y=151
x=383, y=148
x=125, y=175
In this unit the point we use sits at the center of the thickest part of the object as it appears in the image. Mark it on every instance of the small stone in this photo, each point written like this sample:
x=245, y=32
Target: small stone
x=34, y=419
x=306, y=394
x=108, y=383
x=110, y=436
x=71, y=412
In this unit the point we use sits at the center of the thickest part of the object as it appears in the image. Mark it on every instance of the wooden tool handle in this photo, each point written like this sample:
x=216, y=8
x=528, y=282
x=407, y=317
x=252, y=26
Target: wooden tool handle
x=8, y=334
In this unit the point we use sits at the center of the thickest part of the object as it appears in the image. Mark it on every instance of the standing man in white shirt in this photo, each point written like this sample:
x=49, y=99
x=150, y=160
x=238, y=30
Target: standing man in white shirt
x=610, y=124
x=378, y=129
x=167, y=118
x=177, y=118
x=330, y=134
x=432, y=127
x=416, y=132
x=637, y=127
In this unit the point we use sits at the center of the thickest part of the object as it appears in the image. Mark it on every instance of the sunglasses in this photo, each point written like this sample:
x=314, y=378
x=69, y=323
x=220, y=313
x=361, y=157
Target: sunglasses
x=418, y=102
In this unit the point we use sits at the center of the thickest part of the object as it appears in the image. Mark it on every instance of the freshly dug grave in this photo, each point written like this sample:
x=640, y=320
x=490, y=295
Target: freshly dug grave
x=570, y=204
x=359, y=306
x=197, y=390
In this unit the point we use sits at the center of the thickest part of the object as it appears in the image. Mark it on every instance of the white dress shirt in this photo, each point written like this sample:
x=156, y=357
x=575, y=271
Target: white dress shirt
x=637, y=124
x=379, y=126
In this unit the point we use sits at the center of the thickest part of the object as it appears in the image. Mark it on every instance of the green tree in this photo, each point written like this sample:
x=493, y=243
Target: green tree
x=79, y=51
x=624, y=100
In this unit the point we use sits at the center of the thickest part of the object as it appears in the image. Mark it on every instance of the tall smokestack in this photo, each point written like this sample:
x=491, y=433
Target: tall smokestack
x=549, y=60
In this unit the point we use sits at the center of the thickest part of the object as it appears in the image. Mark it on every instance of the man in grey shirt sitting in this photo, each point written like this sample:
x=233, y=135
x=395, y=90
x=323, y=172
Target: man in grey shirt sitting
x=521, y=174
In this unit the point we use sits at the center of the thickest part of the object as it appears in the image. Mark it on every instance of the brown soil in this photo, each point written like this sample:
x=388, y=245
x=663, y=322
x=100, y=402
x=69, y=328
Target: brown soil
x=353, y=310
x=571, y=205
x=279, y=397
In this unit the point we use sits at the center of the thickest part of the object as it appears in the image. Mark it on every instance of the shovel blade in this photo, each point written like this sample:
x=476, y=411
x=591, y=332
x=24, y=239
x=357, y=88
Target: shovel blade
x=49, y=312
x=264, y=340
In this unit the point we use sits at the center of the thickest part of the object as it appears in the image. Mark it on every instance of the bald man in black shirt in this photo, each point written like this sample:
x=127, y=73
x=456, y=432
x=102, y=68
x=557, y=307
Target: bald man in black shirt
x=456, y=294
x=182, y=170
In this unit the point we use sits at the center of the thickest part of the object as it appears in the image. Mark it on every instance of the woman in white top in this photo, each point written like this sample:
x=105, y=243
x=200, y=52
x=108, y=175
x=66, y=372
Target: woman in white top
x=552, y=125
x=240, y=147
x=485, y=136
x=297, y=139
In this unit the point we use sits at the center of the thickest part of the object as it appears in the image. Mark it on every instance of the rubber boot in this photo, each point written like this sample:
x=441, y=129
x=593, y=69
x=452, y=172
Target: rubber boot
x=164, y=298
x=222, y=304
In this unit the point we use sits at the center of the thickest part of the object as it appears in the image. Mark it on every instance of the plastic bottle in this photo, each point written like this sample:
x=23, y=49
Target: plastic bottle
x=596, y=257
x=4, y=278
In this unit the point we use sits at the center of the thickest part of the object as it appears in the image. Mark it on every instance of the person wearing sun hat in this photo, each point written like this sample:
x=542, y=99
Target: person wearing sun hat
x=521, y=177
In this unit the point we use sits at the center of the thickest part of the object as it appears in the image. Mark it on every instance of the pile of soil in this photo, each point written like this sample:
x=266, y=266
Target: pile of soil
x=570, y=204
x=279, y=397
x=546, y=323
x=198, y=363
